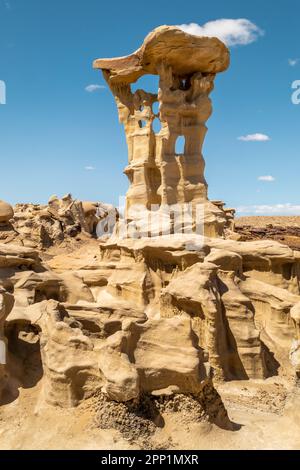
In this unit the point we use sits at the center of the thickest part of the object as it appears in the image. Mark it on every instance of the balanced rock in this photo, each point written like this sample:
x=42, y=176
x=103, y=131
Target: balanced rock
x=161, y=174
x=45, y=225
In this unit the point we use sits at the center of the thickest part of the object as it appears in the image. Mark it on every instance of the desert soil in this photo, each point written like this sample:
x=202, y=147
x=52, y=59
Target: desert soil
x=285, y=229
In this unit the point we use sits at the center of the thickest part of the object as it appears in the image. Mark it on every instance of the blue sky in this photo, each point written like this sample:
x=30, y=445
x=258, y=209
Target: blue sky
x=52, y=129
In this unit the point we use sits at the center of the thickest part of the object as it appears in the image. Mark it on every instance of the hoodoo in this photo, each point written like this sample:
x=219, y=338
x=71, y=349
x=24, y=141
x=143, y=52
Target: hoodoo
x=159, y=177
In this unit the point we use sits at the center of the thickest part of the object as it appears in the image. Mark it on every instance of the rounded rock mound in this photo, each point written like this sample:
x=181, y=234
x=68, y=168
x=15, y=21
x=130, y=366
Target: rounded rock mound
x=6, y=212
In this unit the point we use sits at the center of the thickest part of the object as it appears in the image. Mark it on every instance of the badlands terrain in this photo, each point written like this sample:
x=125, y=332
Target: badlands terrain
x=170, y=327
x=285, y=229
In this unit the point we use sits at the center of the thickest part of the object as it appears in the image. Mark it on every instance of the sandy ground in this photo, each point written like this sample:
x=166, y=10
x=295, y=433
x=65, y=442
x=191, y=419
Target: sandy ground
x=267, y=415
x=262, y=221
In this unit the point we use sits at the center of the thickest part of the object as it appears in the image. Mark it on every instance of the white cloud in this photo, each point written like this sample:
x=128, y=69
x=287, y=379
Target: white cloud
x=91, y=88
x=293, y=62
x=89, y=168
x=268, y=178
x=254, y=138
x=275, y=209
x=233, y=32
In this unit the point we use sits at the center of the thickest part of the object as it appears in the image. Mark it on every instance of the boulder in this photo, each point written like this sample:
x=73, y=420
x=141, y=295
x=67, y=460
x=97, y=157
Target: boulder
x=6, y=212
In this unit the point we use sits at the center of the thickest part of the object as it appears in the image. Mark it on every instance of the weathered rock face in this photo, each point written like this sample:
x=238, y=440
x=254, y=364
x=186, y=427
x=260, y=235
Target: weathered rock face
x=238, y=296
x=151, y=316
x=88, y=348
x=167, y=355
x=295, y=349
x=6, y=212
x=6, y=305
x=27, y=285
x=186, y=54
x=6, y=215
x=159, y=174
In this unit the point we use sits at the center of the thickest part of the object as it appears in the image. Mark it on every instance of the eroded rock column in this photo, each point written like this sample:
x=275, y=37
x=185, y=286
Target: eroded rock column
x=184, y=110
x=158, y=173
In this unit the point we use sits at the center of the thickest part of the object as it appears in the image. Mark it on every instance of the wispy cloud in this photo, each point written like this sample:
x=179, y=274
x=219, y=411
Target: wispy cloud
x=267, y=178
x=93, y=87
x=272, y=209
x=233, y=32
x=293, y=62
x=254, y=138
x=89, y=168
x=6, y=4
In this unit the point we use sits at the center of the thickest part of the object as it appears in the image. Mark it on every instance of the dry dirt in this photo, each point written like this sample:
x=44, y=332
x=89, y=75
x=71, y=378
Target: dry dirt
x=285, y=229
x=266, y=416
x=263, y=221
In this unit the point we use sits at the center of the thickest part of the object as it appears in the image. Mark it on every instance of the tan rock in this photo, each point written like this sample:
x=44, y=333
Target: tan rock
x=166, y=355
x=43, y=226
x=295, y=349
x=90, y=215
x=6, y=212
x=159, y=174
x=153, y=310
x=12, y=256
x=70, y=364
x=237, y=294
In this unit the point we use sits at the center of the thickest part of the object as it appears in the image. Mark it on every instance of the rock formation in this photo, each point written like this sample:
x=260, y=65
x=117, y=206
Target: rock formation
x=6, y=304
x=158, y=175
x=238, y=296
x=6, y=213
x=295, y=350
